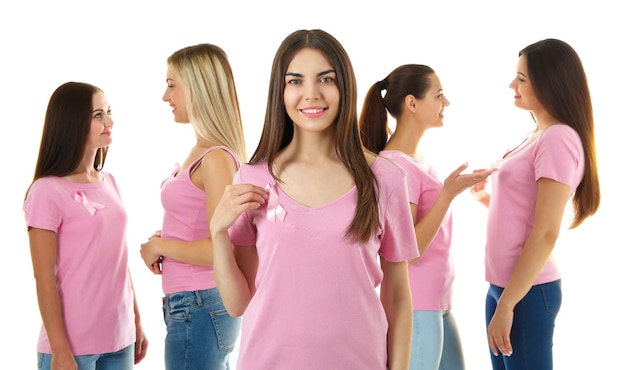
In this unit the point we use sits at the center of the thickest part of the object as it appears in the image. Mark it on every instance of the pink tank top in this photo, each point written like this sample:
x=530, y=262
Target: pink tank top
x=185, y=218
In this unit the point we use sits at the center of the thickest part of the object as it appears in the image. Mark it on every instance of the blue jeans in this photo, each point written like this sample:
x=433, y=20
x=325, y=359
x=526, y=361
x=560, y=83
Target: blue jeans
x=200, y=332
x=533, y=327
x=436, y=344
x=120, y=360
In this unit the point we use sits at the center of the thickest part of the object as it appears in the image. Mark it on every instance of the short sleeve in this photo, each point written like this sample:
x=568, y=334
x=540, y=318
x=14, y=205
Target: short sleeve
x=560, y=156
x=41, y=209
x=398, y=241
x=413, y=180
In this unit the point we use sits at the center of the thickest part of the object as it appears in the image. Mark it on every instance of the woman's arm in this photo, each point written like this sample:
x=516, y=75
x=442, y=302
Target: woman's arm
x=234, y=267
x=395, y=295
x=141, y=342
x=43, y=251
x=454, y=184
x=552, y=197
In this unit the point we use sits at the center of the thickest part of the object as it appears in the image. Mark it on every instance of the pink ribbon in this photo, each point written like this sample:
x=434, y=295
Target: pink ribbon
x=91, y=207
x=274, y=209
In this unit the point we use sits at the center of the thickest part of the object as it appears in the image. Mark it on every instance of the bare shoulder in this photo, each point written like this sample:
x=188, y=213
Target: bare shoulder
x=217, y=166
x=219, y=157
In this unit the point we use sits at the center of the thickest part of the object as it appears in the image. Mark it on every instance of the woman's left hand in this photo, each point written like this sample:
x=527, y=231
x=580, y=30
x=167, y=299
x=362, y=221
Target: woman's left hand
x=499, y=332
x=150, y=258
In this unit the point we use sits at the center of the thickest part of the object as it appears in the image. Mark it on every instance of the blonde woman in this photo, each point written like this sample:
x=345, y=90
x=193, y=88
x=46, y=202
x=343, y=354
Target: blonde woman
x=201, y=91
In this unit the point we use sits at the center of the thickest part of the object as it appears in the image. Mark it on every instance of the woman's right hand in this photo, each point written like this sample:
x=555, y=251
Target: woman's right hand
x=456, y=182
x=478, y=190
x=236, y=199
x=63, y=361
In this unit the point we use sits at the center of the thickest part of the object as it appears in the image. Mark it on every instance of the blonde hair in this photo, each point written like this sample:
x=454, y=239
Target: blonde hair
x=210, y=95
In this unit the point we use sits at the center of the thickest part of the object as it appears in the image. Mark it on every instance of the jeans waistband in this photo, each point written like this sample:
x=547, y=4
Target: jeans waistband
x=199, y=296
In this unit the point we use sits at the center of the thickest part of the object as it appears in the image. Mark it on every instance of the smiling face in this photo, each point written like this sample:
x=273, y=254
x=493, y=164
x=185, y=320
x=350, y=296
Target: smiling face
x=101, y=122
x=524, y=93
x=175, y=96
x=311, y=94
x=429, y=109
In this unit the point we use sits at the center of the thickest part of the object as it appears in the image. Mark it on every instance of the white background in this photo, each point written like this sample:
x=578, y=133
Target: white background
x=121, y=46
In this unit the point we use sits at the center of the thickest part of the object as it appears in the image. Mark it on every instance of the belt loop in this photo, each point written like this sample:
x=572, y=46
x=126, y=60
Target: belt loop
x=198, y=298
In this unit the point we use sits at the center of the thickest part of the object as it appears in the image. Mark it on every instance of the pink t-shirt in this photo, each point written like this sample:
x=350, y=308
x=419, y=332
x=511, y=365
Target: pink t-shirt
x=432, y=276
x=316, y=304
x=185, y=218
x=92, y=266
x=556, y=154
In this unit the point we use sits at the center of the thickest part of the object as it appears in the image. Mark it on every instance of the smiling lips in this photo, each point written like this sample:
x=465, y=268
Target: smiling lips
x=313, y=112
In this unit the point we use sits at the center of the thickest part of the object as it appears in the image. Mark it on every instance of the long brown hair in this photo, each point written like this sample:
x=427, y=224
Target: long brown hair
x=65, y=131
x=560, y=84
x=278, y=128
x=408, y=79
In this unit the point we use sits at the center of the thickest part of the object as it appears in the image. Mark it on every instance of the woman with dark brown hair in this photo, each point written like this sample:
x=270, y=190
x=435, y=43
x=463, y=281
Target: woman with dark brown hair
x=77, y=231
x=530, y=190
x=314, y=228
x=413, y=96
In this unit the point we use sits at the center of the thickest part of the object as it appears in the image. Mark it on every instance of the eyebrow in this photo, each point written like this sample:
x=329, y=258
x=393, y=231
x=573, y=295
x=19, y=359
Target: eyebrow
x=301, y=75
x=100, y=109
x=520, y=73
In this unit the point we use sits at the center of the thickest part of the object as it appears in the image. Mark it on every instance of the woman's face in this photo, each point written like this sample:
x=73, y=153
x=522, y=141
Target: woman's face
x=101, y=122
x=175, y=96
x=524, y=93
x=429, y=109
x=311, y=93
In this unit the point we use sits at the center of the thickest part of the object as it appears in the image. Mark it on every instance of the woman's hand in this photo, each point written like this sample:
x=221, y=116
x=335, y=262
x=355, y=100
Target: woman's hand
x=499, y=332
x=456, y=182
x=236, y=199
x=63, y=361
x=150, y=257
x=141, y=344
x=478, y=189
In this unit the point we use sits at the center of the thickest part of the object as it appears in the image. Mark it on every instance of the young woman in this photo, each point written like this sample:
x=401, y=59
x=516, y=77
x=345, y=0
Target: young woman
x=85, y=293
x=201, y=91
x=309, y=217
x=414, y=98
x=530, y=191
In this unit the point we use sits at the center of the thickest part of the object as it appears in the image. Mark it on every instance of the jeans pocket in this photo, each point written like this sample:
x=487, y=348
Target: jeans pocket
x=552, y=296
x=178, y=312
x=226, y=329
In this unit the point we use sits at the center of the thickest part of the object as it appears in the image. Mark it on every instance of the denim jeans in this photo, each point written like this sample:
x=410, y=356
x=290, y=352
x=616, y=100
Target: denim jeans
x=200, y=332
x=120, y=360
x=533, y=327
x=436, y=344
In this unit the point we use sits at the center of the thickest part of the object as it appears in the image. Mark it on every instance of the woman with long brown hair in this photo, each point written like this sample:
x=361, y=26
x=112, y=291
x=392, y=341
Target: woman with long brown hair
x=313, y=226
x=530, y=190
